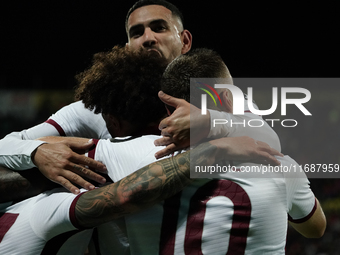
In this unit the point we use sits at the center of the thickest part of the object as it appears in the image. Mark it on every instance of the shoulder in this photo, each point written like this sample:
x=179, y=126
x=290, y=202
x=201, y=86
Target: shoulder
x=76, y=120
x=76, y=106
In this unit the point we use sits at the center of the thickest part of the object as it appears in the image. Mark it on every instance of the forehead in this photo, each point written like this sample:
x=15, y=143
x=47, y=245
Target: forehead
x=148, y=13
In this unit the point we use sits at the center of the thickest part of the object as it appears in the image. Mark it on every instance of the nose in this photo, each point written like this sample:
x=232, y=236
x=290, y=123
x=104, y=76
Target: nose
x=149, y=38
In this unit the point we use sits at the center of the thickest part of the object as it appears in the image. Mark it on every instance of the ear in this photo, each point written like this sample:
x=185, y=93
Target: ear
x=113, y=125
x=227, y=101
x=186, y=41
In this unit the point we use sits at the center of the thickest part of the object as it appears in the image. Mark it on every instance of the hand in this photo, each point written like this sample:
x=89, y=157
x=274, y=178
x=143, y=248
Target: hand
x=59, y=163
x=246, y=149
x=184, y=123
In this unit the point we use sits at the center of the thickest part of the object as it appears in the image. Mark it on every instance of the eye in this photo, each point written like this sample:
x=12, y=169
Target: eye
x=159, y=28
x=135, y=36
x=136, y=32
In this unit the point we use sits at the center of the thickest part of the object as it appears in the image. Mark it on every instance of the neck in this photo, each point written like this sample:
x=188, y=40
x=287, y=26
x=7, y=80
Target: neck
x=149, y=130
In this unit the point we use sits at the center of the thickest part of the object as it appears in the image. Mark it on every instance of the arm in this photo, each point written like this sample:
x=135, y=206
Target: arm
x=16, y=186
x=305, y=213
x=187, y=126
x=72, y=163
x=20, y=151
x=315, y=226
x=155, y=182
x=16, y=148
x=19, y=185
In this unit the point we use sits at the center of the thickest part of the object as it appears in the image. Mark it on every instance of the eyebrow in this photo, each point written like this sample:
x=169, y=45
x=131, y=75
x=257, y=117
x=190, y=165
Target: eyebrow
x=153, y=22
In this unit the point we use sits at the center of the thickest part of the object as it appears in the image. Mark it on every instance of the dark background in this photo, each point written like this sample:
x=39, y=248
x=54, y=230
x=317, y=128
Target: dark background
x=45, y=43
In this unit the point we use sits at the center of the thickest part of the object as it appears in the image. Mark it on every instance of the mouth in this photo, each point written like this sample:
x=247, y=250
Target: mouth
x=156, y=51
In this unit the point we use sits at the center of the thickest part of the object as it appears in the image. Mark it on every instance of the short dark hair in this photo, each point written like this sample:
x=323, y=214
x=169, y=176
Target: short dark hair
x=197, y=63
x=125, y=84
x=175, y=11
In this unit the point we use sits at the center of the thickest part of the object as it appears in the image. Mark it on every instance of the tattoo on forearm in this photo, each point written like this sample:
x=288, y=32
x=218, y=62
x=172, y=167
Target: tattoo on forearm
x=147, y=186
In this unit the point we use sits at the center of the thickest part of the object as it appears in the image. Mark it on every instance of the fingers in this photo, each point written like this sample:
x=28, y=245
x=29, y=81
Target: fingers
x=80, y=146
x=265, y=147
x=62, y=165
x=266, y=154
x=91, y=163
x=87, y=173
x=166, y=151
x=163, y=124
x=164, y=141
x=67, y=185
x=266, y=158
x=65, y=181
x=77, y=165
x=272, y=151
x=70, y=178
x=83, y=160
x=169, y=100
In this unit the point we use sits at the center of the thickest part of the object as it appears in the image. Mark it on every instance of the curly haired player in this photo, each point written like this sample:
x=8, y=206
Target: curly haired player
x=133, y=91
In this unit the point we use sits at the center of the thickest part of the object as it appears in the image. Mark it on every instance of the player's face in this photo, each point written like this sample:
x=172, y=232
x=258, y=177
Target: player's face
x=154, y=28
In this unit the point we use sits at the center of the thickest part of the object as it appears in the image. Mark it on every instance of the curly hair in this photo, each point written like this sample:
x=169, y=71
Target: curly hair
x=124, y=84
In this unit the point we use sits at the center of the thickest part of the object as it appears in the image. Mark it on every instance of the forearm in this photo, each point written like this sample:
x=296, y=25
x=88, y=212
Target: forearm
x=143, y=188
x=62, y=139
x=16, y=186
x=15, y=153
x=315, y=226
x=16, y=148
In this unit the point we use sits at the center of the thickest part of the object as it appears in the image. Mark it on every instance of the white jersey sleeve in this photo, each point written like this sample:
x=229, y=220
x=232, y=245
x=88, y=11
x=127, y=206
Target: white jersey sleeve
x=72, y=120
x=301, y=202
x=75, y=120
x=17, y=147
x=44, y=224
x=123, y=158
x=53, y=215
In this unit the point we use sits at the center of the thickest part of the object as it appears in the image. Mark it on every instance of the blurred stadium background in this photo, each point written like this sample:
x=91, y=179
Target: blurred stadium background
x=45, y=43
